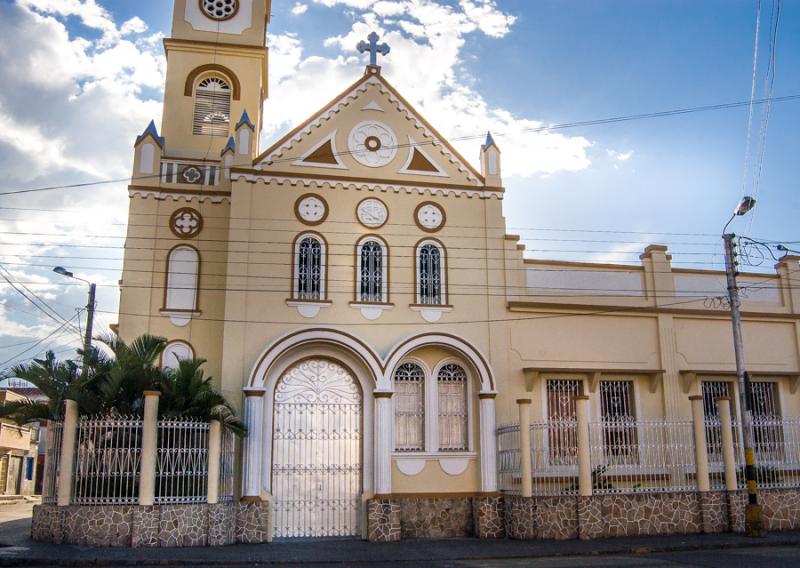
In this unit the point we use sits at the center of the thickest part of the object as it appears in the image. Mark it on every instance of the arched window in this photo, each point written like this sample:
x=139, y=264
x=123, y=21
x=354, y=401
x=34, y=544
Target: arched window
x=430, y=274
x=212, y=107
x=183, y=268
x=452, y=390
x=175, y=352
x=409, y=408
x=372, y=271
x=309, y=280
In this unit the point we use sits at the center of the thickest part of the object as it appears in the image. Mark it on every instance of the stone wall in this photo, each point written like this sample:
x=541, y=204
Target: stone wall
x=152, y=527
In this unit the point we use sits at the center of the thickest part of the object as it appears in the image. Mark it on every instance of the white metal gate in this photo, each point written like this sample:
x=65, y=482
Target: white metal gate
x=316, y=456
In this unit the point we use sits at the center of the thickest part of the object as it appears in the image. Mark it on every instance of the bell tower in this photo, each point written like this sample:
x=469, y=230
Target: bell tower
x=216, y=73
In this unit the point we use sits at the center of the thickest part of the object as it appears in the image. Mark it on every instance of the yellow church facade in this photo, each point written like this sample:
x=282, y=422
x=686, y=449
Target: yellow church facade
x=353, y=287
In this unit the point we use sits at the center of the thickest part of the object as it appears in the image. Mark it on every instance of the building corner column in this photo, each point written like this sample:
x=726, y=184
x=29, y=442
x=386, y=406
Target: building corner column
x=383, y=442
x=67, y=457
x=251, y=460
x=488, y=442
x=525, y=471
x=147, y=477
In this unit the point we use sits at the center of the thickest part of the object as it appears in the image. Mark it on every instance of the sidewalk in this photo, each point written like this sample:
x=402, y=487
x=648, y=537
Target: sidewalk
x=345, y=552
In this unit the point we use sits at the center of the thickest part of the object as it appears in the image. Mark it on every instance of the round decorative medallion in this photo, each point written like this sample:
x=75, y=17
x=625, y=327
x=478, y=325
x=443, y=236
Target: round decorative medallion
x=191, y=175
x=219, y=9
x=311, y=209
x=372, y=144
x=186, y=223
x=372, y=213
x=429, y=217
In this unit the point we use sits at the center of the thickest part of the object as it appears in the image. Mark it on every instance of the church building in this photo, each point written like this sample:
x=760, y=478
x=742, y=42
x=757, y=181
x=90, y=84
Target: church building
x=354, y=289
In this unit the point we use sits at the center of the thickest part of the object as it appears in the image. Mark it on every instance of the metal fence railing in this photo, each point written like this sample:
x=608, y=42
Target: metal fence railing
x=182, y=463
x=107, y=457
x=644, y=456
x=108, y=461
x=227, y=457
x=51, y=459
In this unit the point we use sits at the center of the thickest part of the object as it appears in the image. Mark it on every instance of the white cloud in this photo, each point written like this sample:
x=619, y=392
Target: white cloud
x=420, y=30
x=620, y=156
x=299, y=8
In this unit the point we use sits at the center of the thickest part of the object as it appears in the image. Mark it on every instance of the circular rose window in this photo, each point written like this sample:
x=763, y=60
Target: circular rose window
x=372, y=143
x=220, y=9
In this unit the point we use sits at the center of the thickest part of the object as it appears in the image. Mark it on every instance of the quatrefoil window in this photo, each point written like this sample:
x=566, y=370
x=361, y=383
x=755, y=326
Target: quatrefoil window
x=220, y=9
x=186, y=223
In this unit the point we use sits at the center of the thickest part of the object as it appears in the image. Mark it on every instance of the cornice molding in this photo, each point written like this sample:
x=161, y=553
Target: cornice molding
x=179, y=195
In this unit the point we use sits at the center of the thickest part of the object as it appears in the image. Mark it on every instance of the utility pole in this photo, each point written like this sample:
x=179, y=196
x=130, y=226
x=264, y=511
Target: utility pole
x=754, y=519
x=87, y=340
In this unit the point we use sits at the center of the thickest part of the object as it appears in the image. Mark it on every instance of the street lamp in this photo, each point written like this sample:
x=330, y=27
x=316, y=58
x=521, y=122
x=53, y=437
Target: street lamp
x=87, y=341
x=753, y=514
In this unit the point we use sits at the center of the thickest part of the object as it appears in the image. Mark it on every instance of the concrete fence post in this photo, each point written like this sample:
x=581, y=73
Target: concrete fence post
x=728, y=454
x=214, y=457
x=67, y=458
x=147, y=476
x=525, y=471
x=584, y=455
x=700, y=450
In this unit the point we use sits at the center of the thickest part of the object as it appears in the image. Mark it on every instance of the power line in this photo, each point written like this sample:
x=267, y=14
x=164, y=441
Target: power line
x=596, y=122
x=57, y=330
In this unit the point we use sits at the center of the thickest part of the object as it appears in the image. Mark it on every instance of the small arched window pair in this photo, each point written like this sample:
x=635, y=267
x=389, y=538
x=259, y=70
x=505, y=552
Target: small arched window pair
x=446, y=400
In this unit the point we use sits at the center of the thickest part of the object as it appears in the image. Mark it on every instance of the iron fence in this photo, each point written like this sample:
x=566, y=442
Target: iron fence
x=182, y=463
x=508, y=464
x=554, y=457
x=107, y=459
x=227, y=457
x=52, y=454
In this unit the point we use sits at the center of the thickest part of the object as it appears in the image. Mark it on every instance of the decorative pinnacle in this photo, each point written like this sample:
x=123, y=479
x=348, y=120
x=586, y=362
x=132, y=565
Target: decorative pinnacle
x=373, y=48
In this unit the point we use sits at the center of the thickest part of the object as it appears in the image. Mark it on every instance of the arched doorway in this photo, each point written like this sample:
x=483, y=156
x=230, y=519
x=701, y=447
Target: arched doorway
x=317, y=451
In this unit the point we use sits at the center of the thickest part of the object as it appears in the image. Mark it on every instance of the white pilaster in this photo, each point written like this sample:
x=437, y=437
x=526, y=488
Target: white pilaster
x=383, y=442
x=251, y=465
x=488, y=444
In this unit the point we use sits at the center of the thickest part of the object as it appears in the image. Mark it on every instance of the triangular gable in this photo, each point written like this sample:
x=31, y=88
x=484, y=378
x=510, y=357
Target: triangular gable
x=360, y=104
x=323, y=155
x=420, y=162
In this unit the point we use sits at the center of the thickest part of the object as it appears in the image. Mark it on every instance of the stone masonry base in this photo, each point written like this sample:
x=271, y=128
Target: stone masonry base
x=395, y=517
x=569, y=517
x=152, y=527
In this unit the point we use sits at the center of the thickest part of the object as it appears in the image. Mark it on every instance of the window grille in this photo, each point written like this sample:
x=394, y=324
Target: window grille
x=712, y=390
x=371, y=271
x=452, y=384
x=212, y=107
x=562, y=413
x=182, y=277
x=768, y=435
x=430, y=275
x=409, y=408
x=309, y=269
x=621, y=443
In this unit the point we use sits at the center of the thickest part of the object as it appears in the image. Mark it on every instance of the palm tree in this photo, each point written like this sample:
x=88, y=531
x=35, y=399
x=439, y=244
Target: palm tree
x=186, y=392
x=115, y=384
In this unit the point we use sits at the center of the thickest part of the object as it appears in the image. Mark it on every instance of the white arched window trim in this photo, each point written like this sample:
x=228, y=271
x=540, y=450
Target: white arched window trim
x=182, y=283
x=431, y=312
x=175, y=351
x=213, y=97
x=371, y=309
x=309, y=306
x=432, y=410
x=426, y=373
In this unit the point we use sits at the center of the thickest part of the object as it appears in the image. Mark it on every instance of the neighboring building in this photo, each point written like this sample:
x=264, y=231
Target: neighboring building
x=19, y=451
x=354, y=287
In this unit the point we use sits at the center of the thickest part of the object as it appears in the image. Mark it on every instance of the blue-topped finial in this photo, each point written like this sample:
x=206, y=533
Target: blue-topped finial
x=231, y=145
x=152, y=131
x=489, y=141
x=245, y=120
x=373, y=48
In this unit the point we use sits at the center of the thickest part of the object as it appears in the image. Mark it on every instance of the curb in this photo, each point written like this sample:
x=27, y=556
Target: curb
x=604, y=551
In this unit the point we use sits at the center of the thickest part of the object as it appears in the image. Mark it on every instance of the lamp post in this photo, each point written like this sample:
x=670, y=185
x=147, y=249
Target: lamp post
x=87, y=340
x=754, y=525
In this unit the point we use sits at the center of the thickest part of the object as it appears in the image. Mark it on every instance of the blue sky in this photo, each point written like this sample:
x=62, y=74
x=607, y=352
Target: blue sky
x=90, y=75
